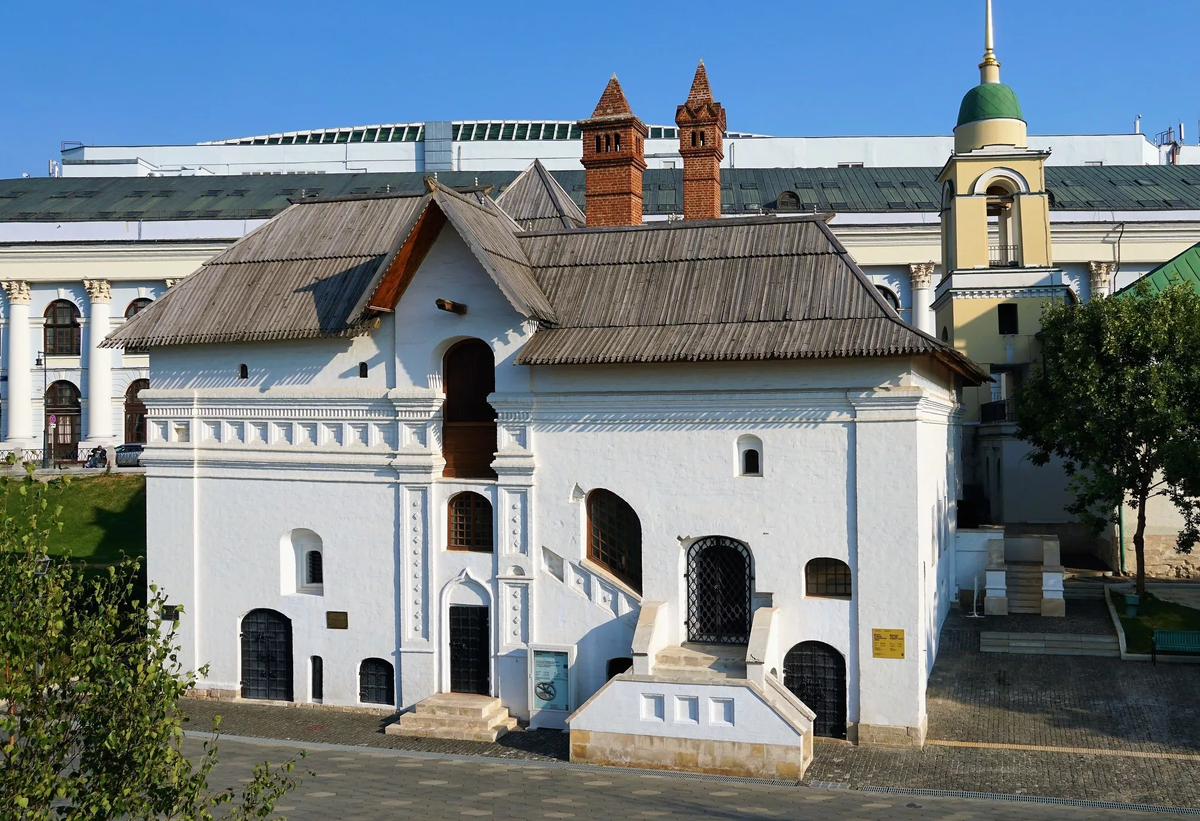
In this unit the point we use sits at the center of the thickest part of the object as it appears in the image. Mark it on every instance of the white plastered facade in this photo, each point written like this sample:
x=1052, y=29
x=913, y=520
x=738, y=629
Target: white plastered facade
x=859, y=464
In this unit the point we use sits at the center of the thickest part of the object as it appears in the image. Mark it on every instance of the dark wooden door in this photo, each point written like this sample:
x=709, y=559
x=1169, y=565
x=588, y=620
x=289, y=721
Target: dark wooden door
x=267, y=656
x=816, y=674
x=470, y=650
x=719, y=584
x=468, y=421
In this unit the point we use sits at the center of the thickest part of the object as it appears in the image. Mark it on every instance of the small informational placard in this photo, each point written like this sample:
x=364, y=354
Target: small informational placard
x=550, y=699
x=887, y=644
x=337, y=620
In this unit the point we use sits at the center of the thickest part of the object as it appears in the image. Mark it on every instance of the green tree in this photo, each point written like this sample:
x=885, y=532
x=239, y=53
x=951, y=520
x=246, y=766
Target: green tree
x=1117, y=398
x=90, y=726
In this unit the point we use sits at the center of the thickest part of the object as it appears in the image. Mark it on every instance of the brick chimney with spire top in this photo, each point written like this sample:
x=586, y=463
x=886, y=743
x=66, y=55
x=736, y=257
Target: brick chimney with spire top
x=614, y=155
x=701, y=124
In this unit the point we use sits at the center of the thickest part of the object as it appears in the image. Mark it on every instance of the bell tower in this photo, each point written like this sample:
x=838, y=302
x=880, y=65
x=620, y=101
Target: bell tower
x=995, y=208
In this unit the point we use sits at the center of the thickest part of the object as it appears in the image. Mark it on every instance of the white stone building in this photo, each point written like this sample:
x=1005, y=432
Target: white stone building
x=401, y=446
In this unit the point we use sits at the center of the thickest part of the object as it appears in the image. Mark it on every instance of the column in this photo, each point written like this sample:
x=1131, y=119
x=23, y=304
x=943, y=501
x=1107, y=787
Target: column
x=99, y=363
x=18, y=362
x=922, y=295
x=1100, y=276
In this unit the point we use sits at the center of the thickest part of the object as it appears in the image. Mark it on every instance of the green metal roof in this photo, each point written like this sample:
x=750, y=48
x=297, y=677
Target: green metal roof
x=743, y=191
x=990, y=101
x=1183, y=268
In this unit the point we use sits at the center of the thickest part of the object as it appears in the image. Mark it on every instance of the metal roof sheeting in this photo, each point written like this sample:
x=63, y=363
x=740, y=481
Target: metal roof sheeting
x=744, y=190
x=1183, y=269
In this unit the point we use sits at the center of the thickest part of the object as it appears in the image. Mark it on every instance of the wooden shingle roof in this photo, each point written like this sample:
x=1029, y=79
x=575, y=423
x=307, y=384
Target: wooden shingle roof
x=750, y=289
x=537, y=202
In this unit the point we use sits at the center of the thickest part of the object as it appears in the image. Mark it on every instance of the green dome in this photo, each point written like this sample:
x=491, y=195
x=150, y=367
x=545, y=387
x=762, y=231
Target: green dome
x=990, y=101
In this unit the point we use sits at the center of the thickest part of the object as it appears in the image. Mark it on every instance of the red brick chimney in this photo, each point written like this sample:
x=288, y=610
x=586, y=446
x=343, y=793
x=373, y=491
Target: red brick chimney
x=614, y=155
x=701, y=124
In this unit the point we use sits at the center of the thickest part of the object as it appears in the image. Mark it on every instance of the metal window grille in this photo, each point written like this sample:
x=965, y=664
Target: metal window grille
x=471, y=523
x=315, y=570
x=376, y=682
x=720, y=582
x=827, y=577
x=615, y=537
x=816, y=674
x=62, y=329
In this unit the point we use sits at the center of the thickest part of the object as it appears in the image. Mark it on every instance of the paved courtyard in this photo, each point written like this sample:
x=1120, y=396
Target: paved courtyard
x=1071, y=727
x=365, y=785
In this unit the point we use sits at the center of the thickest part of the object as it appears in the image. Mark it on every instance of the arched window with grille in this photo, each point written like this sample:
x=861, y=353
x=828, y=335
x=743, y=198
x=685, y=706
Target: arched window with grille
x=62, y=336
x=468, y=421
x=614, y=535
x=314, y=570
x=470, y=525
x=789, y=201
x=376, y=682
x=303, y=557
x=136, y=307
x=750, y=455
x=827, y=578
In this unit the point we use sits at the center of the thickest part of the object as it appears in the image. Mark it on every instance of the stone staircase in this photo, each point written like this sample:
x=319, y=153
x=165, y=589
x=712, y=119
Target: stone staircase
x=456, y=716
x=1023, y=582
x=1050, y=644
x=701, y=661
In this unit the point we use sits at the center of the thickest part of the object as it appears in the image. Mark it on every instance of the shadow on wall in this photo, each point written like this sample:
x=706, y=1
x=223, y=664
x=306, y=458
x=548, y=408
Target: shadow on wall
x=609, y=640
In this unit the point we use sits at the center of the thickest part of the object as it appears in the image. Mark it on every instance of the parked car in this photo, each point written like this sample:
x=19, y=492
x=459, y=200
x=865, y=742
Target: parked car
x=129, y=456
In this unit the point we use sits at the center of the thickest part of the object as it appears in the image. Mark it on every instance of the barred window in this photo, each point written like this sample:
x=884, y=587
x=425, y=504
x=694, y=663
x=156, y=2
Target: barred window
x=376, y=682
x=615, y=537
x=470, y=523
x=829, y=578
x=62, y=329
x=136, y=307
x=315, y=572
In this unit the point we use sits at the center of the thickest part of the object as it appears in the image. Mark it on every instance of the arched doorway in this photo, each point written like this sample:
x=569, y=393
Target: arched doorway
x=719, y=584
x=135, y=412
x=468, y=421
x=816, y=674
x=62, y=403
x=267, y=656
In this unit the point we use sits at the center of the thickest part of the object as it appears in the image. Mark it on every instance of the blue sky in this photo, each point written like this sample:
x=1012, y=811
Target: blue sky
x=176, y=71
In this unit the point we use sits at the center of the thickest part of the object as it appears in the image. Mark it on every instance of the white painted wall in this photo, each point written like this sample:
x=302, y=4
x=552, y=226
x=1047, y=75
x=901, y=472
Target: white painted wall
x=857, y=465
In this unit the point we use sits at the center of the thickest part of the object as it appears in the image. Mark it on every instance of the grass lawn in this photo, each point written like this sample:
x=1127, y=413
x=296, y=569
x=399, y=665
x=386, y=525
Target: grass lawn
x=1153, y=614
x=104, y=519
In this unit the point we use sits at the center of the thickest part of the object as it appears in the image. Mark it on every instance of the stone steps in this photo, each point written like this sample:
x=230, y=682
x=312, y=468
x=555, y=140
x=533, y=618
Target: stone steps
x=455, y=716
x=1050, y=644
x=701, y=661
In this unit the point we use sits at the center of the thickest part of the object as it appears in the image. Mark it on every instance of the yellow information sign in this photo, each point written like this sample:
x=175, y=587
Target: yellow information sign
x=887, y=644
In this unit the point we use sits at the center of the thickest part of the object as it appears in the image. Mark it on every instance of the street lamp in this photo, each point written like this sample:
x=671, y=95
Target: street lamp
x=41, y=363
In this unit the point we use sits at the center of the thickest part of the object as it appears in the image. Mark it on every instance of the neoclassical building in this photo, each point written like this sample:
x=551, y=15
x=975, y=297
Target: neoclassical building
x=59, y=381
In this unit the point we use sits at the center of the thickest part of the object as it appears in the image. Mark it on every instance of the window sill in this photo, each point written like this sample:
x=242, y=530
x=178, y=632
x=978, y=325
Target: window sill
x=311, y=590
x=750, y=475
x=611, y=578
x=458, y=549
x=828, y=598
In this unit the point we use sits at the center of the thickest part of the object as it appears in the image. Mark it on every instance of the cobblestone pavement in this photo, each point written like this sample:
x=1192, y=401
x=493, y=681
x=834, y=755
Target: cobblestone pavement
x=1123, y=731
x=357, y=785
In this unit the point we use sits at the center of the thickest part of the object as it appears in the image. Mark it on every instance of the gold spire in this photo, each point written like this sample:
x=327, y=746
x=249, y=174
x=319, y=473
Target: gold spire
x=989, y=69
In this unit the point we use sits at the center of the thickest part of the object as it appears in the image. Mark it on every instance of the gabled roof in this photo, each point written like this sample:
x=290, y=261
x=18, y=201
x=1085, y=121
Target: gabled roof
x=313, y=271
x=299, y=276
x=537, y=202
x=751, y=289
x=1184, y=268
